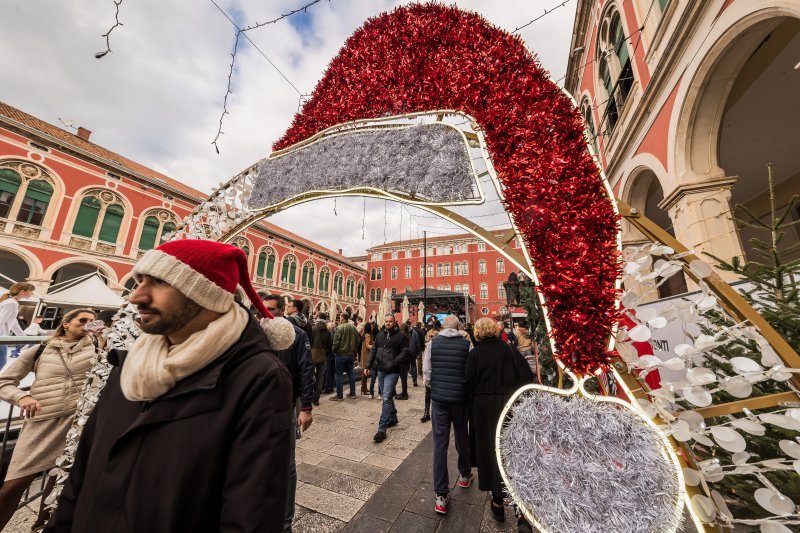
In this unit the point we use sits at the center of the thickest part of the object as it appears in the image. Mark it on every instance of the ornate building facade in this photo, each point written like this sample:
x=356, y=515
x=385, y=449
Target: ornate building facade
x=686, y=102
x=69, y=207
x=460, y=263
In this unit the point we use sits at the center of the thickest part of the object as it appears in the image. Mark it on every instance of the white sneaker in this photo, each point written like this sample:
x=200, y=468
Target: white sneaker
x=441, y=504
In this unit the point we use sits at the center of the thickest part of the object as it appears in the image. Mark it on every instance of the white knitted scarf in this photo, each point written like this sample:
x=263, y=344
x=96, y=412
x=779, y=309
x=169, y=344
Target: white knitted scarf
x=152, y=367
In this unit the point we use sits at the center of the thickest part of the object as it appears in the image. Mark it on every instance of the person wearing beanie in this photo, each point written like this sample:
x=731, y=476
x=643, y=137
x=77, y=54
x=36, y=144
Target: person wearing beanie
x=193, y=429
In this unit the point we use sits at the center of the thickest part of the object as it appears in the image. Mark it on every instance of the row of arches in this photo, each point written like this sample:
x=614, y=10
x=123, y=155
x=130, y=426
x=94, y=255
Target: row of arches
x=286, y=273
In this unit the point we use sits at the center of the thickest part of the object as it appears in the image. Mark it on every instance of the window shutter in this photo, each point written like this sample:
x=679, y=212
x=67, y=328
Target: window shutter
x=112, y=222
x=271, y=266
x=86, y=220
x=149, y=231
x=261, y=265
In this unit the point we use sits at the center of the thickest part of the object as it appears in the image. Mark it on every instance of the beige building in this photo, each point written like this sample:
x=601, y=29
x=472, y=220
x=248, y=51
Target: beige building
x=686, y=101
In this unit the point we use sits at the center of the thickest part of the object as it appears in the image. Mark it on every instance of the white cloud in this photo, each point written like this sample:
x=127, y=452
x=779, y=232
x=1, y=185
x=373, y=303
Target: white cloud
x=157, y=97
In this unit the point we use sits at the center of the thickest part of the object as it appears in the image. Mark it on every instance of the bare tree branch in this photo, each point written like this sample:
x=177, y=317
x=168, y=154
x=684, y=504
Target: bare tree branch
x=107, y=35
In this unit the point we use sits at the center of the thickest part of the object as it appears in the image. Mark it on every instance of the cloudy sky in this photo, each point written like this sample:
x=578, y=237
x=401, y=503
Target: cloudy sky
x=157, y=98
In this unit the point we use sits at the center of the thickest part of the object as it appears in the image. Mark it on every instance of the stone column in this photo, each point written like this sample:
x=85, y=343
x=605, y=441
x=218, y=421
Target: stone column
x=702, y=218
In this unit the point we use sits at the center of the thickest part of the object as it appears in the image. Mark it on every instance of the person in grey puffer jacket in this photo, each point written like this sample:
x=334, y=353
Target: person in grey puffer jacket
x=444, y=369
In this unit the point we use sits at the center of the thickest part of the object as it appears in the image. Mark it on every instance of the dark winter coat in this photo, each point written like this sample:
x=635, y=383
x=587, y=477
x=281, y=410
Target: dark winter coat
x=210, y=455
x=297, y=359
x=321, y=342
x=389, y=352
x=448, y=368
x=492, y=376
x=301, y=322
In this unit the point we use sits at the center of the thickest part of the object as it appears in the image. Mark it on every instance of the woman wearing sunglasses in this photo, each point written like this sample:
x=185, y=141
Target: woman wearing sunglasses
x=60, y=366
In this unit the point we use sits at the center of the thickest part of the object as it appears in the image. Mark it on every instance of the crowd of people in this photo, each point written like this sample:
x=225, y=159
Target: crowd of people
x=208, y=403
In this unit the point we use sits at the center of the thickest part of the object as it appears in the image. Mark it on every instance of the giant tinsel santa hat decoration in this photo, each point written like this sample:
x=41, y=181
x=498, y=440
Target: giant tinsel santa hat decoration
x=207, y=272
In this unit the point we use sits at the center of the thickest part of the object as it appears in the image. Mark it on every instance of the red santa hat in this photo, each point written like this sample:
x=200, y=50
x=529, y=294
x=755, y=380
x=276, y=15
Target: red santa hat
x=207, y=273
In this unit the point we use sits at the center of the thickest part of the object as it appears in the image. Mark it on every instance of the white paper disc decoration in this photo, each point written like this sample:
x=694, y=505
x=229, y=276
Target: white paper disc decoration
x=583, y=466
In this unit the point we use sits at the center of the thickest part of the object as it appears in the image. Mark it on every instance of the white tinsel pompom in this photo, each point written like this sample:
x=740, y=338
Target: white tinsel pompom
x=280, y=332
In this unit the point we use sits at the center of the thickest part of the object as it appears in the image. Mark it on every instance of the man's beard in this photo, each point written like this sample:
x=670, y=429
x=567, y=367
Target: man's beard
x=166, y=323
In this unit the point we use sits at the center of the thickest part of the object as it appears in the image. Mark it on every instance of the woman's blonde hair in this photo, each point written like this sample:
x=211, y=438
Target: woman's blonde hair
x=484, y=328
x=61, y=330
x=16, y=289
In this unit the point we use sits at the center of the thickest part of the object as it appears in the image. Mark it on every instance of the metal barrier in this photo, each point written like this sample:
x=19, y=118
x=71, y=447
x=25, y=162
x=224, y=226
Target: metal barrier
x=13, y=421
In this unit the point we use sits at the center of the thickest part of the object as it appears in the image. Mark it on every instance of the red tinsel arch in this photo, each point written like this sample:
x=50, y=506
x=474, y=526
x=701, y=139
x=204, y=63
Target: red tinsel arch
x=428, y=57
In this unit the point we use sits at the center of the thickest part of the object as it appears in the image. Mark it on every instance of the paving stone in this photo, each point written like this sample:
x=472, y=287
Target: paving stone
x=461, y=517
x=350, y=486
x=422, y=502
x=389, y=501
x=490, y=525
x=409, y=522
x=472, y=495
x=329, y=503
x=312, y=474
x=347, y=452
x=318, y=523
x=384, y=461
x=362, y=523
x=309, y=457
x=299, y=512
x=371, y=473
x=315, y=444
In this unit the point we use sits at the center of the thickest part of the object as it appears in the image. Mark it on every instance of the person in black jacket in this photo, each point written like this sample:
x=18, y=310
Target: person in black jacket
x=201, y=444
x=494, y=371
x=297, y=359
x=386, y=356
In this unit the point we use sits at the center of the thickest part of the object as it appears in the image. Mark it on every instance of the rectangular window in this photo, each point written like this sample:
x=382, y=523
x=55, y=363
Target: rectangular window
x=408, y=253
x=482, y=267
x=501, y=290
x=394, y=254
x=32, y=211
x=484, y=291
x=408, y=271
x=481, y=246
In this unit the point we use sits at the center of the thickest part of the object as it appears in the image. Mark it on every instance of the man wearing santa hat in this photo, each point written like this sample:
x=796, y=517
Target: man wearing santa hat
x=193, y=429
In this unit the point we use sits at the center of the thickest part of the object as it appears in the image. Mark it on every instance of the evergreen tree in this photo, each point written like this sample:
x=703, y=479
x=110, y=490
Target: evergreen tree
x=774, y=293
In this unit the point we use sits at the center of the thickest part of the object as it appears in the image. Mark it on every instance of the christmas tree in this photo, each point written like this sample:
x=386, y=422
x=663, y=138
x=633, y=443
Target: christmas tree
x=773, y=289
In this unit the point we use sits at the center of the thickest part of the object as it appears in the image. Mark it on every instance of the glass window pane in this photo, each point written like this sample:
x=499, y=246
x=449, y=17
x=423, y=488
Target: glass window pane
x=112, y=222
x=168, y=228
x=32, y=211
x=87, y=217
x=9, y=180
x=261, y=265
x=271, y=266
x=149, y=231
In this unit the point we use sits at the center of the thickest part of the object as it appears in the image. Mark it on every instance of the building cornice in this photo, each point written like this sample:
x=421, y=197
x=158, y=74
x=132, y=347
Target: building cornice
x=582, y=13
x=682, y=190
x=78, y=152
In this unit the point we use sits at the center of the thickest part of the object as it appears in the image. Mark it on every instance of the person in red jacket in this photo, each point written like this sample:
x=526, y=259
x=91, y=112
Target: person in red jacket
x=192, y=431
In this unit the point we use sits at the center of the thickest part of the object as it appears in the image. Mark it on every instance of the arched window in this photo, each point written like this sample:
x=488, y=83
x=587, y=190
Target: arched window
x=439, y=269
x=99, y=216
x=408, y=271
x=157, y=229
x=422, y=270
x=380, y=273
x=501, y=290
x=484, y=291
x=289, y=270
x=337, y=283
x=615, y=69
x=360, y=290
x=430, y=270
x=324, y=280
x=457, y=268
x=25, y=192
x=265, y=267
x=464, y=269
x=501, y=266
x=408, y=288
x=394, y=272
x=394, y=292
x=372, y=295
x=482, y=266
x=588, y=120
x=447, y=269
x=373, y=274
x=307, y=276
x=465, y=288
x=351, y=288
x=378, y=295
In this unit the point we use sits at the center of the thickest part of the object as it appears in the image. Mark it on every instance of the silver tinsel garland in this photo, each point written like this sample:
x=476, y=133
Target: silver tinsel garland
x=124, y=332
x=430, y=162
x=581, y=466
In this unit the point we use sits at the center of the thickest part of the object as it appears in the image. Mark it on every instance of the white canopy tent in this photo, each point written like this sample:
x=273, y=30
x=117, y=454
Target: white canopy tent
x=88, y=291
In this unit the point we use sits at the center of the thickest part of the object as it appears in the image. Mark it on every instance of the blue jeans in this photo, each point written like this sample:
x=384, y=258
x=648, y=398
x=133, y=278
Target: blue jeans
x=344, y=363
x=442, y=416
x=387, y=383
x=373, y=376
x=3, y=351
x=329, y=367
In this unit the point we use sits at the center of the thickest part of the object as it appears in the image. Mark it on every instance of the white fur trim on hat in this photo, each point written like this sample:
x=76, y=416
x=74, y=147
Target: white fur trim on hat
x=280, y=332
x=190, y=282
